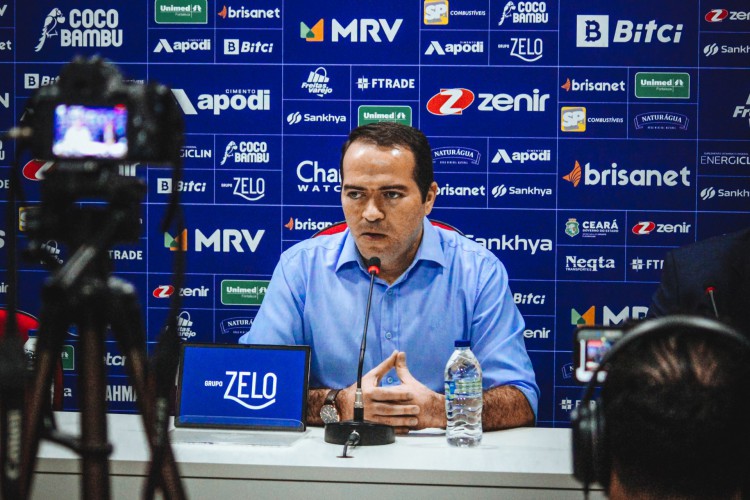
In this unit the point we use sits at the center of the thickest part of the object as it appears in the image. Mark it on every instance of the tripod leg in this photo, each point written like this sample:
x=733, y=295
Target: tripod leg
x=53, y=322
x=127, y=325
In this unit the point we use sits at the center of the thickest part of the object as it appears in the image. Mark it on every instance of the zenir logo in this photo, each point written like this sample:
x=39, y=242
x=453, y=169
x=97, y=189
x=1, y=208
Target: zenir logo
x=177, y=243
x=314, y=34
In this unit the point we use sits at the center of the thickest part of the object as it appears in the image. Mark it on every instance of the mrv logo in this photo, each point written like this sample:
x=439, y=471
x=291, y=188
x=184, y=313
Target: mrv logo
x=252, y=390
x=89, y=28
x=221, y=240
x=593, y=31
x=514, y=243
x=622, y=177
x=238, y=100
x=358, y=30
x=609, y=316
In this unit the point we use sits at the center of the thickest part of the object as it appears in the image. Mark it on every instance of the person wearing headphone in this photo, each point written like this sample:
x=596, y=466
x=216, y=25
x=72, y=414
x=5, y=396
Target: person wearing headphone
x=672, y=418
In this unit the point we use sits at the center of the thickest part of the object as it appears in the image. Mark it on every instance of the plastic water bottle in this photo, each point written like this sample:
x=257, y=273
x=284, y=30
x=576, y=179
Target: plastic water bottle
x=463, y=397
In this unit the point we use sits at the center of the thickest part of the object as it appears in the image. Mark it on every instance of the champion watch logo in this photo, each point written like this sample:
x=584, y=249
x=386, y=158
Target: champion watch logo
x=450, y=102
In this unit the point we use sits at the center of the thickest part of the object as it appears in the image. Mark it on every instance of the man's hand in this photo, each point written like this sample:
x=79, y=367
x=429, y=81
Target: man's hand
x=408, y=406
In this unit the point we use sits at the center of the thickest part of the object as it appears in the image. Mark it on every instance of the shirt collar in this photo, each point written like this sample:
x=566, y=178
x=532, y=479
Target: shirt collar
x=430, y=249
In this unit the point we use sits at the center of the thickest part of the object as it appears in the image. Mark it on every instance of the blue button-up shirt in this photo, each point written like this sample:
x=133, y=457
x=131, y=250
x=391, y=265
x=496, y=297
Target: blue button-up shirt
x=454, y=289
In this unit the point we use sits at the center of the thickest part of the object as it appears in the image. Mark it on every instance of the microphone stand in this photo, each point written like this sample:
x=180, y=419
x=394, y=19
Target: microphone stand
x=360, y=431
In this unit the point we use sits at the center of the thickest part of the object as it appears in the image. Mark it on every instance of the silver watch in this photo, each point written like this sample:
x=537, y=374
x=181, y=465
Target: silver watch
x=328, y=412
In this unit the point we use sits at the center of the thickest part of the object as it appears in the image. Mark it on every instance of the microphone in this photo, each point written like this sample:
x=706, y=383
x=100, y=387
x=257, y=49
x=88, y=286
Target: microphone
x=709, y=290
x=360, y=431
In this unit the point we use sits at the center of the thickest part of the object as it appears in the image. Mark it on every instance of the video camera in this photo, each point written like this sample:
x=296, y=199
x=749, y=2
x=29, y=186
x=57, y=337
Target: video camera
x=90, y=113
x=590, y=344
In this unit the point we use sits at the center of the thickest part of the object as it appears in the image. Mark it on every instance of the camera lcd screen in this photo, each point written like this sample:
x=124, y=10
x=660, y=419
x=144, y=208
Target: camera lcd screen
x=591, y=345
x=90, y=132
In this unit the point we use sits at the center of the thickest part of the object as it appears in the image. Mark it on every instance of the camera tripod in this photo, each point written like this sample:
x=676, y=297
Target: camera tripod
x=82, y=292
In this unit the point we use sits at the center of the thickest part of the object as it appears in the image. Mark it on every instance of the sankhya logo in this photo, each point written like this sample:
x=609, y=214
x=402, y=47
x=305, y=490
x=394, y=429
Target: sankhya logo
x=500, y=190
x=89, y=28
x=711, y=50
x=707, y=193
x=294, y=118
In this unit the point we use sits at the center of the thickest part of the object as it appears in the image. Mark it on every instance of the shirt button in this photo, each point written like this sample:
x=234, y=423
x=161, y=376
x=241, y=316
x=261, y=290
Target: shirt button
x=389, y=292
x=389, y=380
x=388, y=335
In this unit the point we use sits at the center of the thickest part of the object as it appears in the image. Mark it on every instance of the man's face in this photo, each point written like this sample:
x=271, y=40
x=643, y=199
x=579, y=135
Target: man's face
x=382, y=204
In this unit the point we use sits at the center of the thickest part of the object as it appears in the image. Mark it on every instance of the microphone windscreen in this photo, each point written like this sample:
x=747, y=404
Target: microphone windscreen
x=373, y=265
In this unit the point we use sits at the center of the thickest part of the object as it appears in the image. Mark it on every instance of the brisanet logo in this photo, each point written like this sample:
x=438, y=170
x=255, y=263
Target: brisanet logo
x=86, y=28
x=615, y=176
x=592, y=31
x=357, y=31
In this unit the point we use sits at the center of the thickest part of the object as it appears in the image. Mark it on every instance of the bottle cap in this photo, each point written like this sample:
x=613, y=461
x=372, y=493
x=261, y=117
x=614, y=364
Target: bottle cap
x=463, y=343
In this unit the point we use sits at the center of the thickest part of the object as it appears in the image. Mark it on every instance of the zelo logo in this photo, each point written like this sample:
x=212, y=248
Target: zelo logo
x=249, y=99
x=573, y=119
x=623, y=177
x=450, y=102
x=91, y=28
x=436, y=12
x=260, y=389
x=593, y=31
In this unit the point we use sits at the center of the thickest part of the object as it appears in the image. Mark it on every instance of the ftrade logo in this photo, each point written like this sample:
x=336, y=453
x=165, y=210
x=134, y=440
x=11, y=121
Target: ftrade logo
x=593, y=31
x=364, y=83
x=308, y=225
x=647, y=227
x=88, y=28
x=455, y=101
x=317, y=82
x=524, y=13
x=246, y=152
x=436, y=12
x=357, y=31
x=221, y=240
x=573, y=119
x=237, y=100
x=609, y=316
x=720, y=15
x=588, y=86
x=514, y=243
x=243, y=13
x=476, y=47
x=615, y=176
x=639, y=264
x=191, y=45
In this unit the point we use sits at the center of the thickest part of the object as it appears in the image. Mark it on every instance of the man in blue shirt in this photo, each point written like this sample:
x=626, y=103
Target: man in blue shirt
x=435, y=286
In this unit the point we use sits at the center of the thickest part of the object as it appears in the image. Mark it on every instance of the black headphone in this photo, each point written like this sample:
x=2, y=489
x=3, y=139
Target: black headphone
x=591, y=457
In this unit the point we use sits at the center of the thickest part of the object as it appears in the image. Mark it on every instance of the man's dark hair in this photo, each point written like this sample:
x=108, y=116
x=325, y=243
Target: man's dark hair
x=675, y=411
x=389, y=134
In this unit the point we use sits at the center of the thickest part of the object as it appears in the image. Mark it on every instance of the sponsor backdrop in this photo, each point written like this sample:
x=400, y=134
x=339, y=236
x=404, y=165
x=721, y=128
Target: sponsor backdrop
x=578, y=142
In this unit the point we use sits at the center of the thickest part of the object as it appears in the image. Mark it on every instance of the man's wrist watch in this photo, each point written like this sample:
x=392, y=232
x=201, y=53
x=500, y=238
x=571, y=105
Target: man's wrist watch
x=328, y=412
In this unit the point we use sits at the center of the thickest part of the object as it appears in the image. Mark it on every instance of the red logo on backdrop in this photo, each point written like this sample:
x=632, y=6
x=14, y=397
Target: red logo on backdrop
x=644, y=227
x=450, y=102
x=35, y=169
x=163, y=291
x=716, y=15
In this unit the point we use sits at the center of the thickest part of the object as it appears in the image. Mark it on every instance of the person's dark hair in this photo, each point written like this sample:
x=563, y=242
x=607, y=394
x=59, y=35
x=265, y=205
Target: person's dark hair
x=676, y=410
x=388, y=134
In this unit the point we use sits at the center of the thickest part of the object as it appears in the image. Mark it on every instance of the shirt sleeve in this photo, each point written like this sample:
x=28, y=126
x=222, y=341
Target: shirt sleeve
x=279, y=320
x=497, y=336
